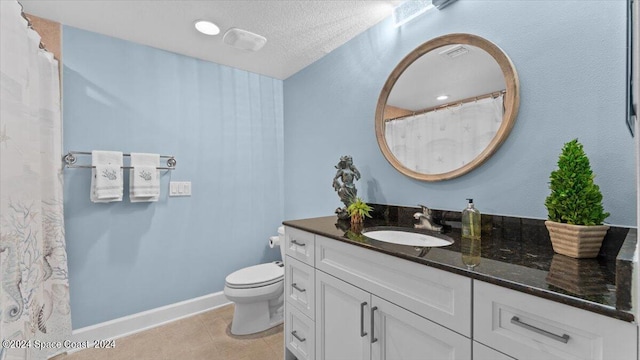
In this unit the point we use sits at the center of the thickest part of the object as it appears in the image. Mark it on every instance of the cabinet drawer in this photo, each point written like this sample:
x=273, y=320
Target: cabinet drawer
x=438, y=295
x=300, y=286
x=529, y=327
x=299, y=333
x=299, y=245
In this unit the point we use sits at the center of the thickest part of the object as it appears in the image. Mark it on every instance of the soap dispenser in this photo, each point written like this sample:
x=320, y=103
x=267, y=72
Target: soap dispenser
x=471, y=221
x=471, y=235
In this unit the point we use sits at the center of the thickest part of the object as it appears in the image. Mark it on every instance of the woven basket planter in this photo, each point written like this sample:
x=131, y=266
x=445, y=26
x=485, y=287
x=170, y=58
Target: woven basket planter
x=576, y=241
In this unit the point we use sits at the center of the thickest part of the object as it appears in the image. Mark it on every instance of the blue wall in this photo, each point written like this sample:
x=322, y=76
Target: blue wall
x=570, y=56
x=225, y=128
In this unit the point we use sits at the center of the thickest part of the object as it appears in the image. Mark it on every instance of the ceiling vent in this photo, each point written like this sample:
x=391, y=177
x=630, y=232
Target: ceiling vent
x=244, y=40
x=455, y=51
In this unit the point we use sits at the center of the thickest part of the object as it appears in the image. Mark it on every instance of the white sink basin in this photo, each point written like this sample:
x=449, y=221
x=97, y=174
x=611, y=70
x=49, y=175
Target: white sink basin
x=406, y=238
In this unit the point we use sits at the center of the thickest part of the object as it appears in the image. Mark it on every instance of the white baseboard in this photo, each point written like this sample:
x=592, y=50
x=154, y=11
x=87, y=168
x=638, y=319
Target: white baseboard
x=149, y=319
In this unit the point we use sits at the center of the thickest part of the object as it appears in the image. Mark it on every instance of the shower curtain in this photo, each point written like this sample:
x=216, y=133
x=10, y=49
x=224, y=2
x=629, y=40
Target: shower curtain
x=440, y=141
x=34, y=290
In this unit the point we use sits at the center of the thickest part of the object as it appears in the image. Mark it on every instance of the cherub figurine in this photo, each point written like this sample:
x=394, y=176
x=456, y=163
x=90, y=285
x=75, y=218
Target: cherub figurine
x=347, y=191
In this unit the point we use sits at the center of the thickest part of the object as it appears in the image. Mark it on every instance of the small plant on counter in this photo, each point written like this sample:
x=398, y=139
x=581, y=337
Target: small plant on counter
x=358, y=210
x=575, y=205
x=575, y=198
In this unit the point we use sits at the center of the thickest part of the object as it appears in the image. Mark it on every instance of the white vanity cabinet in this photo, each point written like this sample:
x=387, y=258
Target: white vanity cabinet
x=348, y=302
x=370, y=305
x=527, y=327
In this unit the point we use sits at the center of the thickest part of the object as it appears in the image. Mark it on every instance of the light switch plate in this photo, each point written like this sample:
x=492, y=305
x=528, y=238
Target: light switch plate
x=180, y=188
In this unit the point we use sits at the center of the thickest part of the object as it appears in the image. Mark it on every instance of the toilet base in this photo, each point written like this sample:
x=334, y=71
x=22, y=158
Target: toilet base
x=251, y=318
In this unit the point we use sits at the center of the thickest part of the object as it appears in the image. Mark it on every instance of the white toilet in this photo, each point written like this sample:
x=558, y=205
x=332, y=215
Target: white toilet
x=258, y=294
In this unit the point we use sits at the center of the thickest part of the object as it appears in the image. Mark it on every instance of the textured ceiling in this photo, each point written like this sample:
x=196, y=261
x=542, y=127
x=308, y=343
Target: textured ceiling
x=298, y=32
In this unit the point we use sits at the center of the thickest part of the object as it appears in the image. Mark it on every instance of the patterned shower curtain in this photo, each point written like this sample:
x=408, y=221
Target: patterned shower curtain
x=440, y=141
x=34, y=288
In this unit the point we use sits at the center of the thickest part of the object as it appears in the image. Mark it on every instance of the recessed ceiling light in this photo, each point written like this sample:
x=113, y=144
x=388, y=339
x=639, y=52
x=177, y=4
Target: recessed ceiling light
x=207, y=27
x=442, y=97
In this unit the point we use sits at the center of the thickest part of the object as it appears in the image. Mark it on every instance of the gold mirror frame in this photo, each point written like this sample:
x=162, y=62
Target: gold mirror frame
x=511, y=103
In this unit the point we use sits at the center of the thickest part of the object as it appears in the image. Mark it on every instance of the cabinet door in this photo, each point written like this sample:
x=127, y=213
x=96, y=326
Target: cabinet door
x=342, y=320
x=481, y=352
x=402, y=335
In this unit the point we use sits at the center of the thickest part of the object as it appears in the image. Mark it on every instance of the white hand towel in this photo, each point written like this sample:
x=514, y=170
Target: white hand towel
x=144, y=177
x=106, y=176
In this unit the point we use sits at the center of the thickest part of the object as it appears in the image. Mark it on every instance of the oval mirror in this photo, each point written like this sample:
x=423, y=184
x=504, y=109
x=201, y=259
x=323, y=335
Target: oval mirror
x=447, y=107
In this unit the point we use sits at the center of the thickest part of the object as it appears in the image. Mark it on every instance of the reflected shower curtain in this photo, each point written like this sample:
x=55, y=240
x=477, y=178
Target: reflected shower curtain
x=34, y=290
x=444, y=140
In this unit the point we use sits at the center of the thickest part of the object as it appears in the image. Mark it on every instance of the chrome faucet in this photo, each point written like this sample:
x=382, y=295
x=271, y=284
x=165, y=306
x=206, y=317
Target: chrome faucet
x=426, y=220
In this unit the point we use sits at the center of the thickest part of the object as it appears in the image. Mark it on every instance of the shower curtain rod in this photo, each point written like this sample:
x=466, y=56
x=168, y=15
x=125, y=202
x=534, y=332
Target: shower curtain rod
x=70, y=160
x=494, y=95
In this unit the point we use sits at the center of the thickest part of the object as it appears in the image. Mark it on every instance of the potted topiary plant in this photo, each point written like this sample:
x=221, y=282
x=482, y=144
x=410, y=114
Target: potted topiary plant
x=575, y=206
x=358, y=210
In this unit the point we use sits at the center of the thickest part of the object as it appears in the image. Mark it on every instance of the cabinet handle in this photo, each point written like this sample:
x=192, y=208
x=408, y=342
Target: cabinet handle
x=563, y=339
x=362, y=333
x=373, y=337
x=294, y=242
x=295, y=286
x=295, y=335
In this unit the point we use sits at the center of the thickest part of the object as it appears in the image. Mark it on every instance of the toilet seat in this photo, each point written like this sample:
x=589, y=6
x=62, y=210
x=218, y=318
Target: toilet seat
x=255, y=276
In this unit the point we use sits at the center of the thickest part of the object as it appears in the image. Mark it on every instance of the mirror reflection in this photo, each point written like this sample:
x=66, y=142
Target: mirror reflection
x=447, y=107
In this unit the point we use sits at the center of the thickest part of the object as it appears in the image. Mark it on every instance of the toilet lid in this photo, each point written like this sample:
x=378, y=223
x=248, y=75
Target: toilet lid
x=252, y=276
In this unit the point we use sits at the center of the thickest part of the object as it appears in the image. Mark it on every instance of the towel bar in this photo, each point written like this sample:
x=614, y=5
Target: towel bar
x=70, y=161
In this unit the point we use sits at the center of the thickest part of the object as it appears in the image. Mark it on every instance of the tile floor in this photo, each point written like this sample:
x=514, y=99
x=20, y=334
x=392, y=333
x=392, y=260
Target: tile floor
x=200, y=337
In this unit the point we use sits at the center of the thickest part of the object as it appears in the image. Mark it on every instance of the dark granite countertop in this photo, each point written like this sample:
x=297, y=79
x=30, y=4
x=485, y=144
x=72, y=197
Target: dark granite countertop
x=516, y=253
